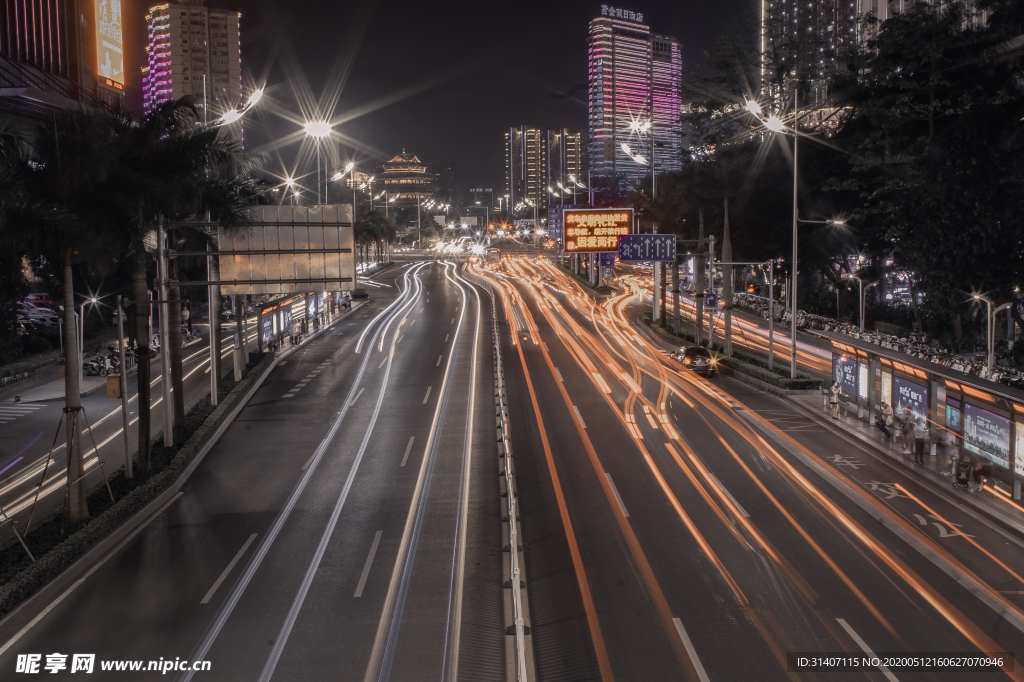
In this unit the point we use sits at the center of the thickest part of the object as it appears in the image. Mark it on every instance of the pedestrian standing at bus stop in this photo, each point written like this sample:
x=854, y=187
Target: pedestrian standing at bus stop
x=920, y=435
x=907, y=430
x=833, y=399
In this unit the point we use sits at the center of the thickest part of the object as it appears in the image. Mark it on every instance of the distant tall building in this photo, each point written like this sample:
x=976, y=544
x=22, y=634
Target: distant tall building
x=564, y=158
x=538, y=159
x=634, y=79
x=192, y=50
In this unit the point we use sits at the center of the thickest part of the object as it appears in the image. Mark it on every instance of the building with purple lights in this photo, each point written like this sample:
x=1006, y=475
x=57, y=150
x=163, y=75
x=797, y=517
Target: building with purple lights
x=192, y=50
x=634, y=98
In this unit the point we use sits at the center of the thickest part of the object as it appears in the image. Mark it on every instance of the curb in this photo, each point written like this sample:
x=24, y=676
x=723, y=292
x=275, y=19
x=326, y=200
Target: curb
x=22, y=614
x=929, y=479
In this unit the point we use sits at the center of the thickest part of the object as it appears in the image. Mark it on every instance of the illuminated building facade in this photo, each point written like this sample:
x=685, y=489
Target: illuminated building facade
x=190, y=47
x=407, y=180
x=48, y=60
x=538, y=159
x=634, y=78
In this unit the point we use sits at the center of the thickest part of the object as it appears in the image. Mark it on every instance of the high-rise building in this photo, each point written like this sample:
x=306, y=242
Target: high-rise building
x=564, y=158
x=537, y=159
x=634, y=97
x=54, y=54
x=193, y=50
x=525, y=165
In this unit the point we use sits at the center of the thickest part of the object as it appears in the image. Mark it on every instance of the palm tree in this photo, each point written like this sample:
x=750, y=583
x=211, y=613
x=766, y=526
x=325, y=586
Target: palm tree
x=52, y=206
x=170, y=168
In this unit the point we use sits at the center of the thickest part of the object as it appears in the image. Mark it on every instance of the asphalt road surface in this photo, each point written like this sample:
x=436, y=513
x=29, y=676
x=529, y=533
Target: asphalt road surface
x=680, y=528
x=346, y=525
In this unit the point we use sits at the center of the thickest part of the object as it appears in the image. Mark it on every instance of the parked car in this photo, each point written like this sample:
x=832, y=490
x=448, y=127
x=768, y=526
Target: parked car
x=696, y=359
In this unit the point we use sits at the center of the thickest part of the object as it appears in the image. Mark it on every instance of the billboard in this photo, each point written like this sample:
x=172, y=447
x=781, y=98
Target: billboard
x=289, y=249
x=862, y=381
x=647, y=247
x=910, y=394
x=1018, y=458
x=953, y=415
x=555, y=220
x=109, y=43
x=987, y=434
x=595, y=230
x=844, y=370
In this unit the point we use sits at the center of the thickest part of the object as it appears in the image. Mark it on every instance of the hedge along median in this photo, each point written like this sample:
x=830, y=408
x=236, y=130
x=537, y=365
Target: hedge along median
x=56, y=551
x=603, y=290
x=751, y=365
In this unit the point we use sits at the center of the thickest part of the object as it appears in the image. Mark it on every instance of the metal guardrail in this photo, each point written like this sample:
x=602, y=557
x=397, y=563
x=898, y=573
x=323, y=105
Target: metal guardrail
x=518, y=628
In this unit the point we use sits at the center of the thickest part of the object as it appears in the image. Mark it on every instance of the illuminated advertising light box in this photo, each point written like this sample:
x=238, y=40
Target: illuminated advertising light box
x=862, y=381
x=595, y=230
x=987, y=434
x=953, y=414
x=910, y=394
x=109, y=42
x=887, y=387
x=267, y=328
x=1018, y=458
x=844, y=370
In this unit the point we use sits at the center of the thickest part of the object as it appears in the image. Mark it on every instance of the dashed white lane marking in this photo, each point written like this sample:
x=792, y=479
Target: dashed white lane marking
x=618, y=498
x=453, y=321
x=559, y=375
x=446, y=337
x=580, y=416
x=358, y=393
x=691, y=651
x=427, y=395
x=439, y=360
x=227, y=570
x=408, y=449
x=546, y=346
x=382, y=362
x=366, y=566
x=866, y=649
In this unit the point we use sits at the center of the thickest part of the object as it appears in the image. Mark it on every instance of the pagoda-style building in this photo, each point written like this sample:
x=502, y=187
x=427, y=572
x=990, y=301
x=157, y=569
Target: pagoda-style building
x=407, y=178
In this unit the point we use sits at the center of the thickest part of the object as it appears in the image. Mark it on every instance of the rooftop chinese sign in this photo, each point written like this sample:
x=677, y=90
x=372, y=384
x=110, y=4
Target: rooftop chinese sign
x=617, y=13
x=596, y=230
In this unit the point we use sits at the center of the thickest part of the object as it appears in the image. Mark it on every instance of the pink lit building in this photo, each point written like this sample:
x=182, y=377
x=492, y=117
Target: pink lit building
x=634, y=97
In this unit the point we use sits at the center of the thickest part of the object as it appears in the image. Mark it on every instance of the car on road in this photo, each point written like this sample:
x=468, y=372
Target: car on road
x=696, y=359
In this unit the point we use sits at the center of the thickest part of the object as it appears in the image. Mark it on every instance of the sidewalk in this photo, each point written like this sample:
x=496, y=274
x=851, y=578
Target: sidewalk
x=997, y=507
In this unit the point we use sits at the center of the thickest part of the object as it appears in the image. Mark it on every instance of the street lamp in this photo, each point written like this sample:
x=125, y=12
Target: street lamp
x=318, y=130
x=988, y=331
x=860, y=295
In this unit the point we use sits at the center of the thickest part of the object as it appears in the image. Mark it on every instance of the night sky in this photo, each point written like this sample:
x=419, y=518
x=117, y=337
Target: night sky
x=459, y=72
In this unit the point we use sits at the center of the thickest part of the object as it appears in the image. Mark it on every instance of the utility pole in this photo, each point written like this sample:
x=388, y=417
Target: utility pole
x=698, y=296
x=727, y=273
x=124, y=390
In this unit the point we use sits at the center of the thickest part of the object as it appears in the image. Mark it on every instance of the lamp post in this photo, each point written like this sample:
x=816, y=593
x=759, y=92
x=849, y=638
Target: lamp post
x=318, y=130
x=988, y=330
x=860, y=297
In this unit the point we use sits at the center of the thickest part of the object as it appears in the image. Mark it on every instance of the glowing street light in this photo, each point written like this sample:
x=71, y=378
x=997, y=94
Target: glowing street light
x=754, y=108
x=774, y=124
x=317, y=129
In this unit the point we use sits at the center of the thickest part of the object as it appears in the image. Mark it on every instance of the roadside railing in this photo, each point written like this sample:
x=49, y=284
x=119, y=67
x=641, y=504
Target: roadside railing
x=512, y=569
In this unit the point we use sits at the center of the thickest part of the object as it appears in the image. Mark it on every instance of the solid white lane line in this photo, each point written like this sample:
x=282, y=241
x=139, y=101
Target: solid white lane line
x=408, y=449
x=382, y=362
x=358, y=393
x=427, y=395
x=691, y=651
x=580, y=416
x=439, y=360
x=729, y=495
x=866, y=649
x=559, y=375
x=618, y=498
x=446, y=337
x=42, y=614
x=366, y=566
x=227, y=569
